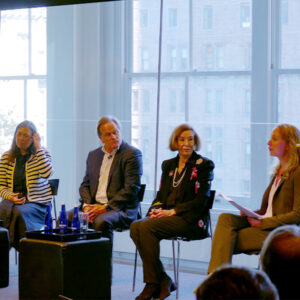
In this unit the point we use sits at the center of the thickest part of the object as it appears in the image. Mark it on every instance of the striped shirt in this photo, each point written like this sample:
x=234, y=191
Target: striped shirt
x=38, y=169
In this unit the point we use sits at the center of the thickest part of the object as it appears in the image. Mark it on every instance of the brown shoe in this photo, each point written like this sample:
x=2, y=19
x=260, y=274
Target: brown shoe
x=166, y=287
x=150, y=290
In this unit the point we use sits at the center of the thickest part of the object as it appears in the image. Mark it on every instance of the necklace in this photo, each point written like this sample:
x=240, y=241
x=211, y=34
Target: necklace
x=176, y=183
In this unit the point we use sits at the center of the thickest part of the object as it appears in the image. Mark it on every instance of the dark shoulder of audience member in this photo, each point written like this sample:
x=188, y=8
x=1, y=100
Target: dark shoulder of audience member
x=280, y=259
x=230, y=282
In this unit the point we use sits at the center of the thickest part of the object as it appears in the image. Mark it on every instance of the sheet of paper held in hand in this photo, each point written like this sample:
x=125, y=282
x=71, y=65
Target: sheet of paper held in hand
x=247, y=211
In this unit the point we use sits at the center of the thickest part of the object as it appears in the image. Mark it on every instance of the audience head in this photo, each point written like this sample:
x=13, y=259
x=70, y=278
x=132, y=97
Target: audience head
x=229, y=282
x=109, y=132
x=22, y=137
x=173, y=143
x=290, y=135
x=280, y=259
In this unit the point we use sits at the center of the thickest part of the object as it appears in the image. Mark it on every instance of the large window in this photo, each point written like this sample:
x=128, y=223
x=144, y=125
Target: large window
x=22, y=72
x=230, y=68
x=226, y=102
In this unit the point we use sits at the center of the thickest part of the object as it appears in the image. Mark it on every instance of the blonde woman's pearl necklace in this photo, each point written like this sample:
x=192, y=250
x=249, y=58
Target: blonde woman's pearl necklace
x=176, y=183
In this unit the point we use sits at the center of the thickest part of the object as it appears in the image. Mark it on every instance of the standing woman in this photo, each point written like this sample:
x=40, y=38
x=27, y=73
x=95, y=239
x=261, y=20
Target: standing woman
x=24, y=187
x=280, y=203
x=180, y=209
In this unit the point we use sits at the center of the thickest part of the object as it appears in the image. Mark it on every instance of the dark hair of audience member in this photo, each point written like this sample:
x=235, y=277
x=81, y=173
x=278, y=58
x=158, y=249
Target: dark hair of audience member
x=229, y=282
x=280, y=259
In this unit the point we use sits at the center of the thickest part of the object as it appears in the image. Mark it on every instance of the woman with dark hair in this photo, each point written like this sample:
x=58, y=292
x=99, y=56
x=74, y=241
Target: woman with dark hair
x=280, y=203
x=179, y=209
x=24, y=187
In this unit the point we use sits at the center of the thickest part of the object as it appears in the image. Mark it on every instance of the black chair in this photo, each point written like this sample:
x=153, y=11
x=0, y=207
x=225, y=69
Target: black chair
x=4, y=256
x=54, y=183
x=139, y=216
x=140, y=198
x=179, y=238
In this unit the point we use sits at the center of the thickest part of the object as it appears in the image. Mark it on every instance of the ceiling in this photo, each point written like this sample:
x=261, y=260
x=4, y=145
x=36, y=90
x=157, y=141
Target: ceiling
x=14, y=4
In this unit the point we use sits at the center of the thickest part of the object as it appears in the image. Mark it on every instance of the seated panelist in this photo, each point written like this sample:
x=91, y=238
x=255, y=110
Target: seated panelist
x=280, y=203
x=179, y=209
x=24, y=187
x=112, y=180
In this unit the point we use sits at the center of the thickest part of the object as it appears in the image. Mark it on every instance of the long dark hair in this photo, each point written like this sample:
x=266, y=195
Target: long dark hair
x=12, y=150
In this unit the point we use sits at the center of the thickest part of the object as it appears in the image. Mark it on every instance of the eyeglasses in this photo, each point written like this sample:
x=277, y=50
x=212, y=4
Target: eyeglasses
x=25, y=135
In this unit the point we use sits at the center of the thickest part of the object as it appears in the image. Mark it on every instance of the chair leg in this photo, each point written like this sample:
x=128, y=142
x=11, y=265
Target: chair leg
x=16, y=257
x=134, y=270
x=178, y=258
x=174, y=263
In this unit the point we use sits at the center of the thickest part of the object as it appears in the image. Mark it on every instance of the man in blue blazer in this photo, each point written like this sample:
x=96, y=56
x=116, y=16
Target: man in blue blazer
x=112, y=180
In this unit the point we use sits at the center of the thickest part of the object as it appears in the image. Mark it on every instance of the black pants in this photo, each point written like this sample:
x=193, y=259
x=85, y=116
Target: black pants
x=147, y=234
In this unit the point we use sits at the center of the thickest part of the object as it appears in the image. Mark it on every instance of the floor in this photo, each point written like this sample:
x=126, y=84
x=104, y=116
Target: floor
x=122, y=282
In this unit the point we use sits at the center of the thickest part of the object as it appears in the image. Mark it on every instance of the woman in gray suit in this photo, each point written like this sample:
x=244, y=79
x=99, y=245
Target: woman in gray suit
x=280, y=203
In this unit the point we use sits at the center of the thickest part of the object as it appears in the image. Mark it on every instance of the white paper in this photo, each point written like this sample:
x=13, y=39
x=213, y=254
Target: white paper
x=247, y=211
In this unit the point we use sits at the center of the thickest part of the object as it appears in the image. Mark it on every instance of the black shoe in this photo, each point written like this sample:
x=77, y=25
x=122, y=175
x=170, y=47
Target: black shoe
x=150, y=290
x=166, y=287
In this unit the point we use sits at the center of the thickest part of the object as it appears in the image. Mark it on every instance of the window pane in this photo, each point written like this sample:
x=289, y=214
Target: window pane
x=11, y=110
x=14, y=42
x=207, y=17
x=228, y=45
x=144, y=124
x=289, y=95
x=38, y=41
x=175, y=42
x=290, y=34
x=221, y=128
x=172, y=17
x=37, y=106
x=145, y=38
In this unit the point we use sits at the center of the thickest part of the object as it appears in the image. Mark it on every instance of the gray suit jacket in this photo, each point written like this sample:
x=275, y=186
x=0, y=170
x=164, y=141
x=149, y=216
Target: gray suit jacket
x=286, y=202
x=124, y=177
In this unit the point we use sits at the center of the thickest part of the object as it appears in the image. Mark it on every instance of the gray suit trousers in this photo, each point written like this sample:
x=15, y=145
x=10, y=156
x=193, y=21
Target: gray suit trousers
x=233, y=234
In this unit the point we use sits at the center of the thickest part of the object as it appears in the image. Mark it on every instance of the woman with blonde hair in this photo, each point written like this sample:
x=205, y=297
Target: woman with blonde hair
x=179, y=209
x=24, y=187
x=280, y=203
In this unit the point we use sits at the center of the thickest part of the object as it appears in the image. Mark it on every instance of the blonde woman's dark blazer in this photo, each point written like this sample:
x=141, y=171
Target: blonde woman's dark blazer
x=286, y=202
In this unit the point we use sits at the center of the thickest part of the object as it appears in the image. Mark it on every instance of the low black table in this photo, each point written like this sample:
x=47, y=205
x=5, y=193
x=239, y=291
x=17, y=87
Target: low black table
x=4, y=257
x=75, y=269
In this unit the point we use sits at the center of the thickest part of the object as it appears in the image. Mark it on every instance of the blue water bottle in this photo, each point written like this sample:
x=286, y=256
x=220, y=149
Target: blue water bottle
x=48, y=220
x=63, y=220
x=75, y=220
